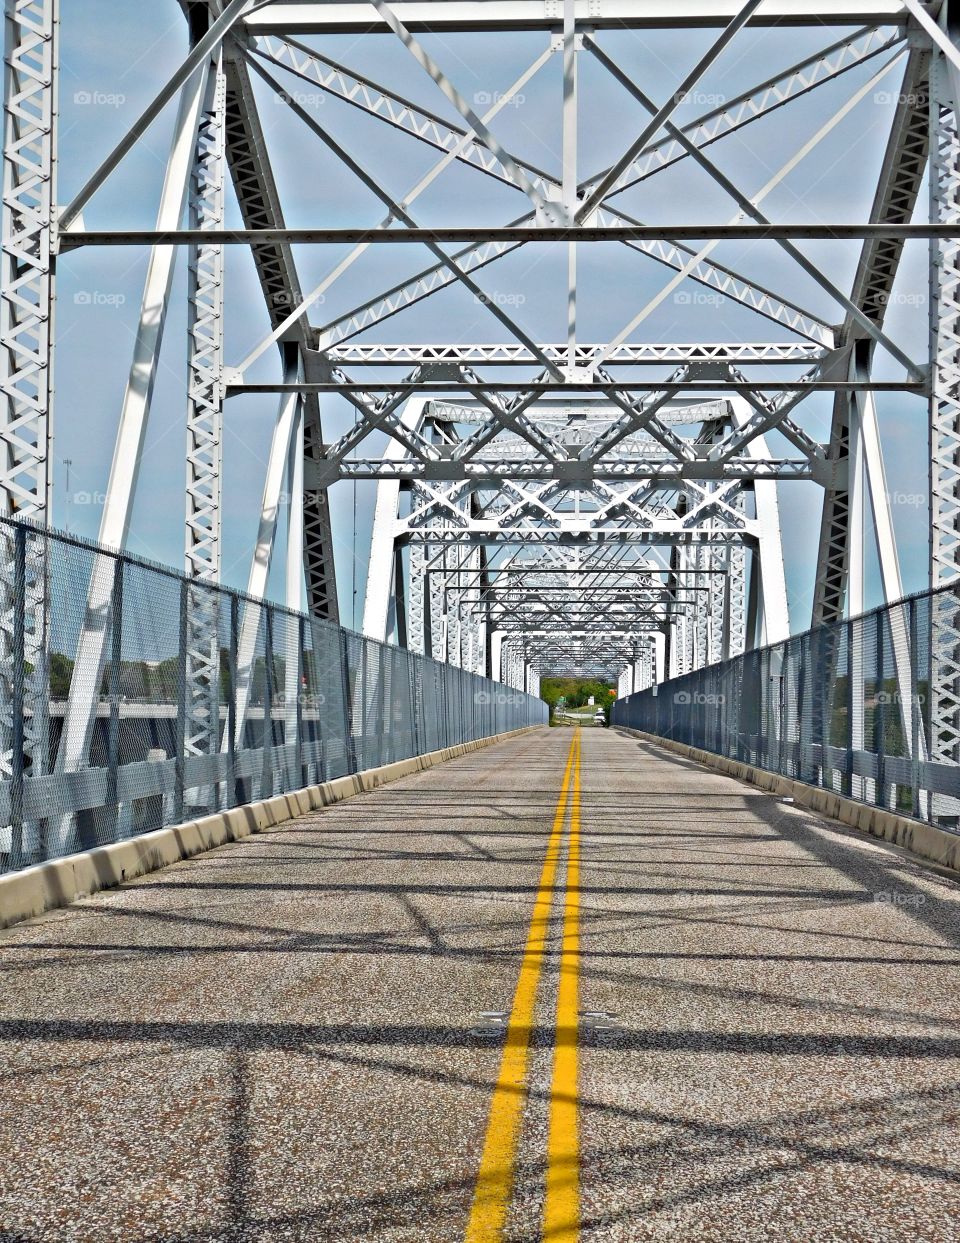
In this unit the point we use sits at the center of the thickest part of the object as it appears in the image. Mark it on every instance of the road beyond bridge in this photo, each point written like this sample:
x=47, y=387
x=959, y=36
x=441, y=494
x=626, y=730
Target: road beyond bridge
x=726, y=1019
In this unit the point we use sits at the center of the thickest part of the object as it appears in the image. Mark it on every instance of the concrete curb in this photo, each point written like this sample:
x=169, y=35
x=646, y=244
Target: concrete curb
x=46, y=886
x=924, y=840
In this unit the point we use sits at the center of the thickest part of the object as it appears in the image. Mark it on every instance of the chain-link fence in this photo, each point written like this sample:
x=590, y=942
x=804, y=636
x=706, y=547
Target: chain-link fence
x=868, y=708
x=132, y=697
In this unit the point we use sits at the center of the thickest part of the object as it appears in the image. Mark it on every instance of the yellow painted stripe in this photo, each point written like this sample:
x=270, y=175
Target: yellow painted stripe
x=494, y=1185
x=561, y=1215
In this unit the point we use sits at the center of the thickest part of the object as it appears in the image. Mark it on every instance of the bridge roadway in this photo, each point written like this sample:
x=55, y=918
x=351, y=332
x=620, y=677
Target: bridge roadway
x=283, y=1039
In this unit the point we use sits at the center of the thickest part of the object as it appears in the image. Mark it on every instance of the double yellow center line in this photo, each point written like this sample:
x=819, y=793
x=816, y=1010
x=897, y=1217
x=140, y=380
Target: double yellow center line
x=496, y=1176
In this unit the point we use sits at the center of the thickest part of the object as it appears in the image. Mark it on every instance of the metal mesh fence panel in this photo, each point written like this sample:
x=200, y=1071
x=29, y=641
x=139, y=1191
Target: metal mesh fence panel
x=132, y=697
x=853, y=707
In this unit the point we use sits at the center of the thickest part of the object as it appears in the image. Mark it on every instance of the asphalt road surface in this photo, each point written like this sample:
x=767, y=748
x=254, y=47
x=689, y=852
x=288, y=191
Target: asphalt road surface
x=566, y=987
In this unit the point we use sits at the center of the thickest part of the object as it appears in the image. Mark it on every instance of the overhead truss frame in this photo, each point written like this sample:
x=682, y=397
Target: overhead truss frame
x=641, y=474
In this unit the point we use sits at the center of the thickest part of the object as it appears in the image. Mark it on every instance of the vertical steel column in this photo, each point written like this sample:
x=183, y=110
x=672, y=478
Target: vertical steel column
x=659, y=657
x=855, y=586
x=435, y=615
x=205, y=427
x=416, y=611
x=30, y=102
x=702, y=655
x=293, y=598
x=26, y=308
x=944, y=426
x=718, y=633
x=568, y=189
x=205, y=339
x=736, y=597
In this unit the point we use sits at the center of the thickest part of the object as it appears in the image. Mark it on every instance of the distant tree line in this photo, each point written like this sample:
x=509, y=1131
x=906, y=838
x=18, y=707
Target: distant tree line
x=576, y=691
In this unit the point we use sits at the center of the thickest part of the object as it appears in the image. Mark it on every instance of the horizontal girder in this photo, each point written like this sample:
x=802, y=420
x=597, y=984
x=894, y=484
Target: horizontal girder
x=584, y=385
x=412, y=235
x=490, y=472
x=521, y=537
x=351, y=354
x=310, y=17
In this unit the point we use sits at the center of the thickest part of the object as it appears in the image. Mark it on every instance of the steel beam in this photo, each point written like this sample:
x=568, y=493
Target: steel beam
x=26, y=308
x=901, y=175
x=204, y=450
x=444, y=16
x=414, y=235
x=639, y=353
x=945, y=424
x=27, y=299
x=260, y=208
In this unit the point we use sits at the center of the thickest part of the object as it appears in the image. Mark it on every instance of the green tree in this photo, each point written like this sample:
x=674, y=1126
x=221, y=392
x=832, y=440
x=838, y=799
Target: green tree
x=61, y=671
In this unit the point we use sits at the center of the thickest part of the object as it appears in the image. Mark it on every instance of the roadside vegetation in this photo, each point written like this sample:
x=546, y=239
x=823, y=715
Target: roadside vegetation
x=569, y=699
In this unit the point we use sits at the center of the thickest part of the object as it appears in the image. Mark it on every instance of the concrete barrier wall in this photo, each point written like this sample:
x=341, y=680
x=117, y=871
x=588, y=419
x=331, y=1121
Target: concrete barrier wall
x=925, y=840
x=46, y=886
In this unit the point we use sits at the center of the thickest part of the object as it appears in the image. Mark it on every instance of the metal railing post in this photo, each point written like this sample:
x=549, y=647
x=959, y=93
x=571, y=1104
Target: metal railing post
x=914, y=709
x=266, y=780
x=113, y=733
x=233, y=790
x=763, y=739
x=828, y=641
x=349, y=746
x=180, y=741
x=316, y=699
x=880, y=717
x=301, y=643
x=782, y=714
x=385, y=748
x=18, y=695
x=802, y=710
x=414, y=666
x=851, y=666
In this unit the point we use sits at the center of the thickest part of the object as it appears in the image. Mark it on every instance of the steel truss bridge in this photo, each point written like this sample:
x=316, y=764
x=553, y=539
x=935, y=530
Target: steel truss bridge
x=588, y=501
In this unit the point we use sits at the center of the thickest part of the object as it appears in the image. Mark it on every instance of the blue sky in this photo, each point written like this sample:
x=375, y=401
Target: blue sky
x=107, y=81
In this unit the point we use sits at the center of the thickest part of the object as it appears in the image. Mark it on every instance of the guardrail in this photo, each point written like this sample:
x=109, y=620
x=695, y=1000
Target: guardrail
x=851, y=707
x=132, y=697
